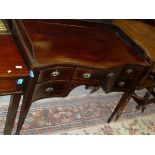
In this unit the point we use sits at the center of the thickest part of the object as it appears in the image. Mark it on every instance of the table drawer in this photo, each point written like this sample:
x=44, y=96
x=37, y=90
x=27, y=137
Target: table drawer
x=123, y=84
x=87, y=74
x=131, y=71
x=49, y=89
x=56, y=73
x=97, y=75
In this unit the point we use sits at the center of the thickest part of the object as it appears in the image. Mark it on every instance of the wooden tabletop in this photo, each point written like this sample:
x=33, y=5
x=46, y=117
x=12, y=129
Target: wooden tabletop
x=60, y=43
x=141, y=33
x=11, y=62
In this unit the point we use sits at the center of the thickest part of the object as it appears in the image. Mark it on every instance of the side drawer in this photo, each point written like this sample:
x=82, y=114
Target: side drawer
x=131, y=71
x=56, y=73
x=49, y=89
x=123, y=84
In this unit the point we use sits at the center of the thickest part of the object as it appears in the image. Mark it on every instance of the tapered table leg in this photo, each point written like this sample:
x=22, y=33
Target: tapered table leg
x=146, y=97
x=23, y=113
x=120, y=106
x=26, y=103
x=11, y=115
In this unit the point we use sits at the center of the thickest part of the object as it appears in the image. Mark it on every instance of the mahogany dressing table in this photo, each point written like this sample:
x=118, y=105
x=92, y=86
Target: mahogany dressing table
x=13, y=73
x=63, y=54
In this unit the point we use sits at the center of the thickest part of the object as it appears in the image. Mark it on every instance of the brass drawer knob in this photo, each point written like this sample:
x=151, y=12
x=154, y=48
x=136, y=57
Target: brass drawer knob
x=110, y=75
x=121, y=84
x=87, y=75
x=130, y=70
x=55, y=73
x=49, y=89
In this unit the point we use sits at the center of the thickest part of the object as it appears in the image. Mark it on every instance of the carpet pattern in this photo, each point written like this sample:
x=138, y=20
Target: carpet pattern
x=87, y=114
x=141, y=125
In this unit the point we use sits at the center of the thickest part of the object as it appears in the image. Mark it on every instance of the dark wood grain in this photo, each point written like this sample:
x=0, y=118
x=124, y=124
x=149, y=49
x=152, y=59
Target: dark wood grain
x=56, y=73
x=50, y=89
x=10, y=58
x=71, y=44
x=141, y=33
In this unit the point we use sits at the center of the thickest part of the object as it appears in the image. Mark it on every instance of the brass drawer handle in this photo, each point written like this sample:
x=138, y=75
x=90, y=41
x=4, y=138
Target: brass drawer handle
x=87, y=75
x=110, y=75
x=49, y=89
x=55, y=73
x=121, y=84
x=130, y=70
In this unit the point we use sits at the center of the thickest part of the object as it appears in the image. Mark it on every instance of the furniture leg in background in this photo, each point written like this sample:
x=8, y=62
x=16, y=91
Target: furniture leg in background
x=120, y=106
x=11, y=114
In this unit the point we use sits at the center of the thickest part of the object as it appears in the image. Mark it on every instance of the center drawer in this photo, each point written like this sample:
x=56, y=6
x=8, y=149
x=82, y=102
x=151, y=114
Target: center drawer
x=105, y=77
x=49, y=89
x=94, y=75
x=56, y=73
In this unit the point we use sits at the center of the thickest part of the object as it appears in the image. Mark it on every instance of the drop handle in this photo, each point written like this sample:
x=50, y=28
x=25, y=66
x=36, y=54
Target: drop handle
x=110, y=75
x=87, y=75
x=55, y=73
x=49, y=89
x=121, y=84
x=130, y=70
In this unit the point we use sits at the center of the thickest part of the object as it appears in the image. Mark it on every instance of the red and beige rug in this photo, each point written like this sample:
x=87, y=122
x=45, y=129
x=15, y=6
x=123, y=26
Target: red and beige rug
x=141, y=125
x=86, y=114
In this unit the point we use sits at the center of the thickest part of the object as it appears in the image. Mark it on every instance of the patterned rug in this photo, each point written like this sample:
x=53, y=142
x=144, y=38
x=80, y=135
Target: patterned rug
x=141, y=125
x=86, y=114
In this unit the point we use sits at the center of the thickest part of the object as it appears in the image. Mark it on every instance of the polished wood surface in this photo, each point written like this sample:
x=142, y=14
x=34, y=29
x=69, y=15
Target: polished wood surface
x=7, y=84
x=50, y=89
x=11, y=62
x=141, y=33
x=56, y=73
x=12, y=65
x=55, y=43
